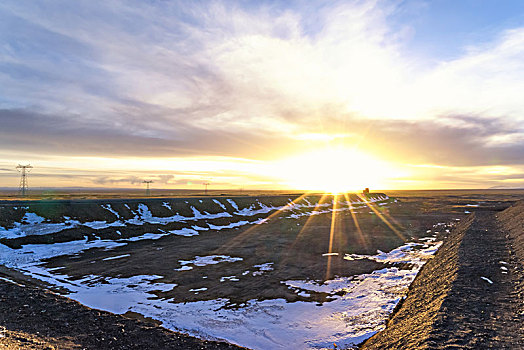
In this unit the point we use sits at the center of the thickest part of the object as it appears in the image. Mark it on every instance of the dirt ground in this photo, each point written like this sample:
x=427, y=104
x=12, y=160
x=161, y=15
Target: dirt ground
x=471, y=295
x=294, y=247
x=90, y=194
x=32, y=318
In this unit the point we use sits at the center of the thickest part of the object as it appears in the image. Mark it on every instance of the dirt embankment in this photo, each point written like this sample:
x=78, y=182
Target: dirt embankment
x=32, y=318
x=470, y=296
x=47, y=222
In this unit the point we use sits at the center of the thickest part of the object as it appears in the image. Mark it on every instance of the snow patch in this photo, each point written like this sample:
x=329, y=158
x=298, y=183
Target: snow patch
x=209, y=260
x=117, y=257
x=220, y=204
x=231, y=225
x=262, y=268
x=233, y=204
x=187, y=232
x=108, y=207
x=486, y=279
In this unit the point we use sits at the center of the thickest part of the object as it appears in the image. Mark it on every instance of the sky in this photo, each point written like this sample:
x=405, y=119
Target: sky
x=313, y=95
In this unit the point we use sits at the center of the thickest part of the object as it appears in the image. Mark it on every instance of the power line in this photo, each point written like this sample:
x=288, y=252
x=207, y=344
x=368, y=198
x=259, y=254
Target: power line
x=147, y=182
x=23, y=169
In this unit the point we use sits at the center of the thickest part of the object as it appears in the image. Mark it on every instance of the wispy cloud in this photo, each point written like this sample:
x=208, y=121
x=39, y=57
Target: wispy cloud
x=251, y=80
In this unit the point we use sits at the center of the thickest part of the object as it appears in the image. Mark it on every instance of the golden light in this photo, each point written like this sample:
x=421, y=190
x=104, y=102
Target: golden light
x=334, y=170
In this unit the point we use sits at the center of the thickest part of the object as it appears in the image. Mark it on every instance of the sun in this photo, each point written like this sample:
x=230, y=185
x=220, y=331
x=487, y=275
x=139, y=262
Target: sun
x=333, y=170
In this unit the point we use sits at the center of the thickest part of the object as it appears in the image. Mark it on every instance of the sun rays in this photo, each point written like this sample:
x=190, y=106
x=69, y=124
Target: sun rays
x=331, y=235
x=335, y=205
x=244, y=235
x=322, y=200
x=382, y=216
x=362, y=237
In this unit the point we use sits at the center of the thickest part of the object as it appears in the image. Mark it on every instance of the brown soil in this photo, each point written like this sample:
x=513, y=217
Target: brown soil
x=32, y=318
x=452, y=304
x=44, y=319
x=294, y=246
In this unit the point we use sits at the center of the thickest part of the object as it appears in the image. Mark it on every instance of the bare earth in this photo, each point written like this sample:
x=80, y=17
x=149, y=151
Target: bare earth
x=32, y=318
x=471, y=295
x=448, y=304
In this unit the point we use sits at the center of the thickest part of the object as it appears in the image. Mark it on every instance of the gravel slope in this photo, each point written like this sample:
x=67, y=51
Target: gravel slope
x=470, y=296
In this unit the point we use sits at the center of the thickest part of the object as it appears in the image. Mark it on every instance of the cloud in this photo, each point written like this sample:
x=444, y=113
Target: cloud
x=27, y=131
x=455, y=140
x=189, y=64
x=250, y=79
x=447, y=140
x=105, y=180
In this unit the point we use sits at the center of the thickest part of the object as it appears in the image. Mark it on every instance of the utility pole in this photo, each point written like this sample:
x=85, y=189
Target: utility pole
x=206, y=184
x=147, y=182
x=23, y=169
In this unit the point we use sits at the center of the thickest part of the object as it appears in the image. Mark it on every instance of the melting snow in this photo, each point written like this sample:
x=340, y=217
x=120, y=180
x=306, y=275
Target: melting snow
x=108, y=207
x=98, y=225
x=117, y=257
x=231, y=225
x=33, y=253
x=229, y=278
x=152, y=236
x=33, y=224
x=487, y=279
x=233, y=204
x=359, y=307
x=269, y=324
x=263, y=268
x=209, y=260
x=198, y=215
x=358, y=310
x=184, y=268
x=252, y=210
x=402, y=254
x=220, y=204
x=185, y=232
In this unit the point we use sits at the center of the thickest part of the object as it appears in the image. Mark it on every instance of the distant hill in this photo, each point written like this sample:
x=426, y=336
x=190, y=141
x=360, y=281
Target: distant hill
x=502, y=187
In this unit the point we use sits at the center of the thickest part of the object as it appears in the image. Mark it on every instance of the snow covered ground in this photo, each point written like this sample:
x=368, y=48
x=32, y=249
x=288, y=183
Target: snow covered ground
x=358, y=310
x=33, y=224
x=358, y=307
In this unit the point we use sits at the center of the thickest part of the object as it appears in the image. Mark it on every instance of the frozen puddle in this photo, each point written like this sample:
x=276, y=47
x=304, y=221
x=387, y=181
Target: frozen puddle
x=358, y=310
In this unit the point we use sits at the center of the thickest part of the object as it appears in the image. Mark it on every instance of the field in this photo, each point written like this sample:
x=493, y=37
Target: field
x=258, y=271
x=126, y=193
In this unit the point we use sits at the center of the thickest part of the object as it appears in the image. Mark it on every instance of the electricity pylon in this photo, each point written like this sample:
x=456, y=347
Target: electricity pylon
x=206, y=184
x=23, y=169
x=147, y=182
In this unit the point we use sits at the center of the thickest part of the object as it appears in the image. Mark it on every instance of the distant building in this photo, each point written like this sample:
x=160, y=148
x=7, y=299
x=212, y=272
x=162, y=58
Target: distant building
x=366, y=191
